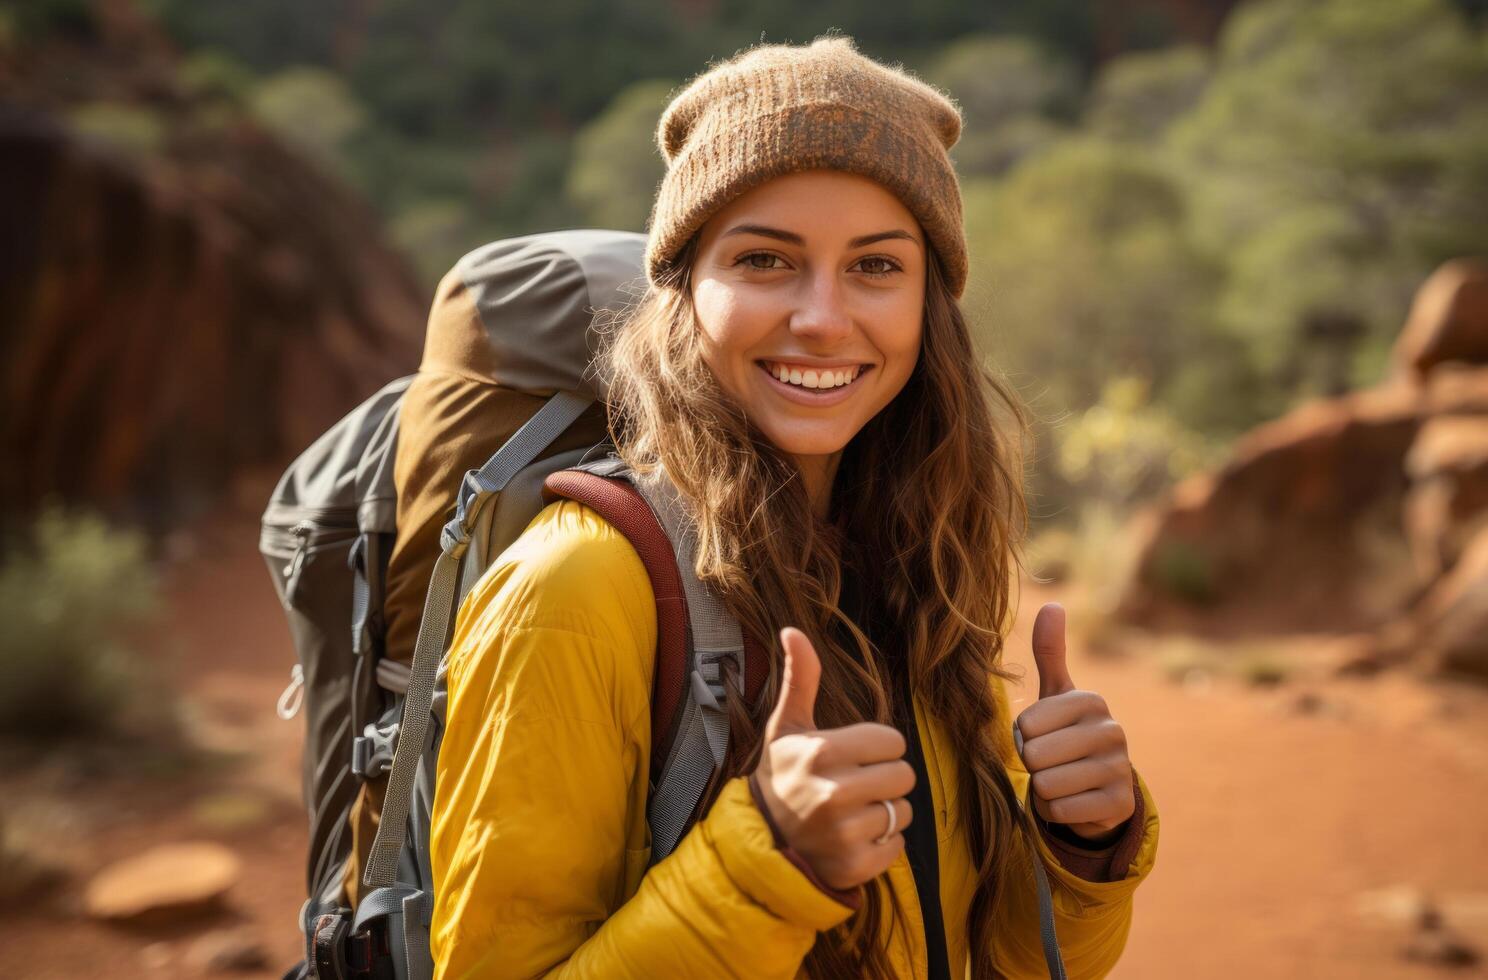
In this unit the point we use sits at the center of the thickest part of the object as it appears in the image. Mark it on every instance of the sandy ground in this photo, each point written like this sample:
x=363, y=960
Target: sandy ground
x=1284, y=832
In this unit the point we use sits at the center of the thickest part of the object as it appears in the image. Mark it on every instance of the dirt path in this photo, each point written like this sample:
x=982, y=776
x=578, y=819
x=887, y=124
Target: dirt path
x=1275, y=823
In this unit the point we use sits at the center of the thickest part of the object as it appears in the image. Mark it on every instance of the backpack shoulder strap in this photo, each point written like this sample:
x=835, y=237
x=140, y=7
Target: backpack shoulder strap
x=618, y=502
x=695, y=633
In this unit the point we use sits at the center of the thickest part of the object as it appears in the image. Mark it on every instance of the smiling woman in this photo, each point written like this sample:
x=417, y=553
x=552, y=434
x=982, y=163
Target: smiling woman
x=839, y=301
x=800, y=376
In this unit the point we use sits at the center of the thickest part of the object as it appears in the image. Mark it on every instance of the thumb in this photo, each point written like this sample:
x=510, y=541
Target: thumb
x=1048, y=651
x=796, y=710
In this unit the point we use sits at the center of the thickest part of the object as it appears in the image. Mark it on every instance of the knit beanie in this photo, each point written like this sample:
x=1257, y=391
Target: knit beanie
x=776, y=109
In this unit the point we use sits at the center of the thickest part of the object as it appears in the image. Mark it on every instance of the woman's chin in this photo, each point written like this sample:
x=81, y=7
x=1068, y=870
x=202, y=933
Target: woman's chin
x=792, y=440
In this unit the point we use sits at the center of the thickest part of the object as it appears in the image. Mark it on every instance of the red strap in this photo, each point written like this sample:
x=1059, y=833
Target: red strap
x=756, y=669
x=623, y=506
x=618, y=502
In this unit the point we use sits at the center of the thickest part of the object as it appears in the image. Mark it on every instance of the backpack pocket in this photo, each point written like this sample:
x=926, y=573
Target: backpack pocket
x=307, y=555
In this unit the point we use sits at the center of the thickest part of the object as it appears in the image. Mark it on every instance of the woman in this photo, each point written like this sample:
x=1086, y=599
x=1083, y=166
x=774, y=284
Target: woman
x=800, y=370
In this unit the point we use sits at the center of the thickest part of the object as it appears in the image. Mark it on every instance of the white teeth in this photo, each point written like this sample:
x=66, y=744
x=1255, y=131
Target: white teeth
x=813, y=378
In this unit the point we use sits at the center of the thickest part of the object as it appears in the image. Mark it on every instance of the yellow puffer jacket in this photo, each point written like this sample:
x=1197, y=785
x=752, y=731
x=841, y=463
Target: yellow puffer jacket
x=539, y=840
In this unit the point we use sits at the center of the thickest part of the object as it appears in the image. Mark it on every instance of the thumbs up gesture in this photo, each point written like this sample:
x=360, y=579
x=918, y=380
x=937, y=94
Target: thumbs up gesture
x=830, y=791
x=1073, y=749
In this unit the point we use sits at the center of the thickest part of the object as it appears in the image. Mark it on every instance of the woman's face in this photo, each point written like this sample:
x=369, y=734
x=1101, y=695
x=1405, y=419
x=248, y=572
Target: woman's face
x=810, y=293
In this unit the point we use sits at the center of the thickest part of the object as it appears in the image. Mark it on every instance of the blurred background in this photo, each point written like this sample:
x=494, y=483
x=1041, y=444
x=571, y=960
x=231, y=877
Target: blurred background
x=1234, y=255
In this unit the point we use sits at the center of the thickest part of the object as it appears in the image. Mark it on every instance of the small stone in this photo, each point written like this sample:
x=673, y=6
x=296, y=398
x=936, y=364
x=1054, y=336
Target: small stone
x=1440, y=947
x=176, y=879
x=1307, y=703
x=1198, y=681
x=156, y=957
x=227, y=951
x=1403, y=904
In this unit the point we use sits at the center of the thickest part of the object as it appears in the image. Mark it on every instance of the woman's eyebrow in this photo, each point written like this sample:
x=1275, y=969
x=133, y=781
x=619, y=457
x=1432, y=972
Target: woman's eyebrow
x=795, y=239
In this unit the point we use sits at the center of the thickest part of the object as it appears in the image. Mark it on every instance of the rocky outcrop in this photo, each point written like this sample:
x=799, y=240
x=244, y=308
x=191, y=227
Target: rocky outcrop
x=178, y=306
x=1446, y=321
x=1351, y=513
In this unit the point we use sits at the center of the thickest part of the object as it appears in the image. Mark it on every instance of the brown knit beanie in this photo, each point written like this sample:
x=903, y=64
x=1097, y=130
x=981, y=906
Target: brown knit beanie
x=776, y=109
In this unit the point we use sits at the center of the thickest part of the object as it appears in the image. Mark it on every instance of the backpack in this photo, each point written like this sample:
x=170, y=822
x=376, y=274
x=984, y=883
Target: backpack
x=327, y=534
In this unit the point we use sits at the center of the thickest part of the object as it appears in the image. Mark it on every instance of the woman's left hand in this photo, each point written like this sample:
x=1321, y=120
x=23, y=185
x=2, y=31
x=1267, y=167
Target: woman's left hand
x=1072, y=747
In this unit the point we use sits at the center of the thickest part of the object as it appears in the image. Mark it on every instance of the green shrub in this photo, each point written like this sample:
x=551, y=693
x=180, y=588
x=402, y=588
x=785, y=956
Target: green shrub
x=69, y=597
x=1184, y=572
x=133, y=129
x=1262, y=668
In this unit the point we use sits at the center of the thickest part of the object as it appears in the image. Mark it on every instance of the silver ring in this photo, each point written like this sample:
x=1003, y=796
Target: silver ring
x=893, y=823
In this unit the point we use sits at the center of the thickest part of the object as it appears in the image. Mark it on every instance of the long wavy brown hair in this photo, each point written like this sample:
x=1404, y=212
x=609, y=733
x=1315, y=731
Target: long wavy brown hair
x=928, y=495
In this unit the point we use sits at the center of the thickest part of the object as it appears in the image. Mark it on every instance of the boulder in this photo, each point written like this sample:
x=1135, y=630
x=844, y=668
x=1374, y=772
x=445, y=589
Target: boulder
x=1448, y=498
x=1452, y=620
x=175, y=310
x=1448, y=320
x=1303, y=528
x=173, y=880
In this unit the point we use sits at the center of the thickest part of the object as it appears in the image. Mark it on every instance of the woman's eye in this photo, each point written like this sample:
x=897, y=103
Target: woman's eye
x=752, y=260
x=877, y=266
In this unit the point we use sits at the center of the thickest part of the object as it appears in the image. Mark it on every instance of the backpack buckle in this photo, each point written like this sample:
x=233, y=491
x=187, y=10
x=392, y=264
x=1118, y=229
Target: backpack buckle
x=707, y=677
x=372, y=751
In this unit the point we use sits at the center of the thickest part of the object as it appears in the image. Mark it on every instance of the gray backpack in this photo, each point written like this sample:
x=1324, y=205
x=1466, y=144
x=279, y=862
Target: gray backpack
x=327, y=534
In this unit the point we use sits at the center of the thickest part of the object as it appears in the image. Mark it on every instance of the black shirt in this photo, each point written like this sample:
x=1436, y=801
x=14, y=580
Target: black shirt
x=920, y=837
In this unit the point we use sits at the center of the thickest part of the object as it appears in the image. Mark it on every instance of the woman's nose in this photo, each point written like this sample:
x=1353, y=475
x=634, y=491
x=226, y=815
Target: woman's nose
x=821, y=313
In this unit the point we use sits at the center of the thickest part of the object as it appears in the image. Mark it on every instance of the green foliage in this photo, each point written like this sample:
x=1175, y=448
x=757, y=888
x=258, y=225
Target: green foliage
x=1338, y=155
x=1140, y=95
x=435, y=233
x=132, y=129
x=998, y=78
x=616, y=164
x=1183, y=571
x=1124, y=449
x=216, y=77
x=68, y=599
x=33, y=20
x=1012, y=93
x=1086, y=255
x=312, y=109
x=1262, y=668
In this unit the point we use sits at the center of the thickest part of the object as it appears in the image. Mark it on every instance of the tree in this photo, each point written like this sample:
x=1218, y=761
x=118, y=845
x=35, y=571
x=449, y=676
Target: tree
x=1138, y=96
x=1084, y=270
x=616, y=164
x=1013, y=96
x=1338, y=155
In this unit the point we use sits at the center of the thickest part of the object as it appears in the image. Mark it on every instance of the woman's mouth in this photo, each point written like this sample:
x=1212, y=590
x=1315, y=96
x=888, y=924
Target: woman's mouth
x=813, y=384
x=803, y=376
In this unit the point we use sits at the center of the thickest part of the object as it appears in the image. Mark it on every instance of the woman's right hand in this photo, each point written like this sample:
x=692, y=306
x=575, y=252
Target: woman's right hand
x=824, y=788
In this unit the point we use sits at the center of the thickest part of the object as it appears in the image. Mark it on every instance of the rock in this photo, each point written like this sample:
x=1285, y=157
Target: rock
x=1440, y=947
x=1404, y=905
x=179, y=313
x=1448, y=320
x=1453, y=617
x=228, y=950
x=173, y=879
x=1448, y=499
x=157, y=958
x=1273, y=538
